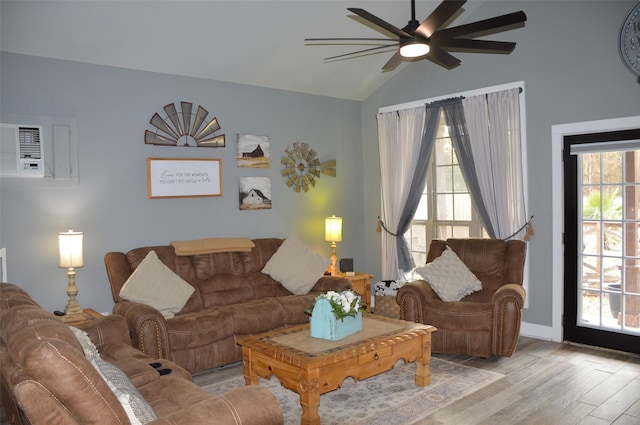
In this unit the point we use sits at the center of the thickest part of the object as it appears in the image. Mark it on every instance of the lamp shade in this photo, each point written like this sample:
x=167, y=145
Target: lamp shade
x=70, y=247
x=333, y=229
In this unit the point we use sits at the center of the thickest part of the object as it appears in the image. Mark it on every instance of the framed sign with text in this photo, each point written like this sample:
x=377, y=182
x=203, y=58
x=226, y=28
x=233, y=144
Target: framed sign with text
x=184, y=177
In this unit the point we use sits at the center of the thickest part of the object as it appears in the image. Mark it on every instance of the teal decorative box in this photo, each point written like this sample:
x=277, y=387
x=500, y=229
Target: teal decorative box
x=325, y=325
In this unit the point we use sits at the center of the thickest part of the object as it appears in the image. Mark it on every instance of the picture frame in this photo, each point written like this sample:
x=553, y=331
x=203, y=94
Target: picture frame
x=253, y=151
x=184, y=177
x=255, y=193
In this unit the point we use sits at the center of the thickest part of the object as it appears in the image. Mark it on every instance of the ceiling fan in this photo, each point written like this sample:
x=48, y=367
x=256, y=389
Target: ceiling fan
x=426, y=40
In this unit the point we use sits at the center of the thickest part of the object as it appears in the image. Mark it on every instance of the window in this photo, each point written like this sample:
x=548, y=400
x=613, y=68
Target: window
x=608, y=186
x=445, y=209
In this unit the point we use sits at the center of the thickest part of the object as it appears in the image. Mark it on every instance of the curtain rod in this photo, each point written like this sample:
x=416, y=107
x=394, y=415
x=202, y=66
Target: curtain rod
x=417, y=103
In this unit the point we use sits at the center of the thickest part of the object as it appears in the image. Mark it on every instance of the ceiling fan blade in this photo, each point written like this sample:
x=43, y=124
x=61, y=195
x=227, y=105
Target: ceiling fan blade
x=388, y=40
x=476, y=45
x=443, y=58
x=373, y=49
x=479, y=26
x=439, y=16
x=379, y=22
x=393, y=62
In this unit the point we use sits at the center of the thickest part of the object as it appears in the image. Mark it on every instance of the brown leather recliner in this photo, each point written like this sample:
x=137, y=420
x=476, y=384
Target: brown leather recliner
x=485, y=323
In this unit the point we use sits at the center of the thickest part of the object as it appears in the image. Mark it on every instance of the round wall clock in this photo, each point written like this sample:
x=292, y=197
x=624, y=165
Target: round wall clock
x=629, y=41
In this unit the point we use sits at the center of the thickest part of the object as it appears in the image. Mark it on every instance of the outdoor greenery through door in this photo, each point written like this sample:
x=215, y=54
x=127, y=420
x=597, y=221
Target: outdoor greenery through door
x=602, y=246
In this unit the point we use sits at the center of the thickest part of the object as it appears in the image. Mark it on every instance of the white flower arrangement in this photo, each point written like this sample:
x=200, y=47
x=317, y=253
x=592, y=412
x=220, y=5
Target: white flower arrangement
x=343, y=304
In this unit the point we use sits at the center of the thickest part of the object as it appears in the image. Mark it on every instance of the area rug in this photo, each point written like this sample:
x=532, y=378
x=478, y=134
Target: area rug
x=391, y=398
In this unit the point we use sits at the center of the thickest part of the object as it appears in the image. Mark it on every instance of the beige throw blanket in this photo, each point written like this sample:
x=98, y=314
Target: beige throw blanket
x=212, y=245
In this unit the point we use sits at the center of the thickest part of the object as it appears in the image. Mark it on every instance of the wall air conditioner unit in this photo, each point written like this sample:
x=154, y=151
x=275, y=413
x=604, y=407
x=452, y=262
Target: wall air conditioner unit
x=21, y=151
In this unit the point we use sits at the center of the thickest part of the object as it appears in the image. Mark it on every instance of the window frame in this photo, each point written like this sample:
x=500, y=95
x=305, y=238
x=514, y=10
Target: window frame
x=432, y=224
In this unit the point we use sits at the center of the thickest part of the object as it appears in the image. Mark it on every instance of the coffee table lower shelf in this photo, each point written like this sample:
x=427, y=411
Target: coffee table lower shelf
x=311, y=367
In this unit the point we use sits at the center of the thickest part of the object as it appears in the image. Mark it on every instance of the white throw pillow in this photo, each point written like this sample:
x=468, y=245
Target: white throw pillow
x=155, y=284
x=449, y=277
x=88, y=347
x=295, y=266
x=137, y=408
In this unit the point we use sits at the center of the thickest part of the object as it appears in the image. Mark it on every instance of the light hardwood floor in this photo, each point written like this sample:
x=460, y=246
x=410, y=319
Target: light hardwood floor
x=551, y=383
x=544, y=383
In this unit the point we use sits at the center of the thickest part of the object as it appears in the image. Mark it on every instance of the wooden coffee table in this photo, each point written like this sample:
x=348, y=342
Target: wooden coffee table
x=311, y=366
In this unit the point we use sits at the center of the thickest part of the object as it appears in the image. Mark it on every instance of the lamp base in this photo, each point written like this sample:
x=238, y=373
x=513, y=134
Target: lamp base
x=73, y=308
x=72, y=291
x=334, y=260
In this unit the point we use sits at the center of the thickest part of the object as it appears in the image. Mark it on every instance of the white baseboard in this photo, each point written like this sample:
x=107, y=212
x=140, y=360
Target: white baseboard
x=537, y=331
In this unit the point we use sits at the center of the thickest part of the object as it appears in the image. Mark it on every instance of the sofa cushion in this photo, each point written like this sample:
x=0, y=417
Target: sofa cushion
x=294, y=307
x=295, y=266
x=194, y=330
x=153, y=283
x=137, y=408
x=449, y=277
x=255, y=316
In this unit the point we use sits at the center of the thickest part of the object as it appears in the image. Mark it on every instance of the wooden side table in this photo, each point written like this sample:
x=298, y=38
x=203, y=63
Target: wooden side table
x=362, y=285
x=87, y=316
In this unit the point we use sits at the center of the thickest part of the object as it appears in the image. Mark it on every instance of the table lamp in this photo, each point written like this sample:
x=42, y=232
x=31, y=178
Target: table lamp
x=333, y=234
x=70, y=247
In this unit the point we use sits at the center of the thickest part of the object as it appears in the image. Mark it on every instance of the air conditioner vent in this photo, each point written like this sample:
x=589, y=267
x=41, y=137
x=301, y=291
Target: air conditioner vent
x=21, y=151
x=30, y=146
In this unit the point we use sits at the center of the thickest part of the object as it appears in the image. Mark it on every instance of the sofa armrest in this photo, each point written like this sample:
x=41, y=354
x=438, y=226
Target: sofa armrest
x=512, y=290
x=251, y=405
x=147, y=327
x=332, y=283
x=508, y=302
x=118, y=271
x=110, y=330
x=412, y=298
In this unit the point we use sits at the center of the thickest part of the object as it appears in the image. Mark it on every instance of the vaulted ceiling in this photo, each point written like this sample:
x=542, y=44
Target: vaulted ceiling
x=257, y=42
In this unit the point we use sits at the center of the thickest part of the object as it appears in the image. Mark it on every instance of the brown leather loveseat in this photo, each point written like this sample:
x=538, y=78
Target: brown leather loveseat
x=47, y=379
x=232, y=298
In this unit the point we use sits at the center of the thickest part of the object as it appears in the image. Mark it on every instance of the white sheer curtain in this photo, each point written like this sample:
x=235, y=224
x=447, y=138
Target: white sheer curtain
x=399, y=135
x=493, y=123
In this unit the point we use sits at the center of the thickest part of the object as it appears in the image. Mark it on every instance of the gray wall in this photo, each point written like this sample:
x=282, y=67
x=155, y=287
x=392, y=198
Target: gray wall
x=112, y=108
x=567, y=56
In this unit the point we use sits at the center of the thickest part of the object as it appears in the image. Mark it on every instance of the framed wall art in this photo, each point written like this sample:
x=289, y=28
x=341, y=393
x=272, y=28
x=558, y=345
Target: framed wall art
x=184, y=177
x=253, y=151
x=255, y=193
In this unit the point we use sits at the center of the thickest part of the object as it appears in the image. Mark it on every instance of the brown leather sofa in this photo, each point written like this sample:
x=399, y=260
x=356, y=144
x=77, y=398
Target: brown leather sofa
x=485, y=323
x=232, y=298
x=47, y=380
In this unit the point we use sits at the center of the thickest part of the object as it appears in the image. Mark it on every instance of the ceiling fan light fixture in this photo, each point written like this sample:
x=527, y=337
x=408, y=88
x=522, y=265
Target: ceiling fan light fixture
x=414, y=48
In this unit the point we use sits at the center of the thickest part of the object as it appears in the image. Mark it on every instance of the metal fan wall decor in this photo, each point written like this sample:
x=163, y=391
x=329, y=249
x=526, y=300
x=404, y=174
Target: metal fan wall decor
x=183, y=128
x=302, y=167
x=426, y=39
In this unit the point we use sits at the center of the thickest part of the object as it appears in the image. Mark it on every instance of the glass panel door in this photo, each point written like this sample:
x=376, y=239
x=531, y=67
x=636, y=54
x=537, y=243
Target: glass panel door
x=609, y=293
x=601, y=239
